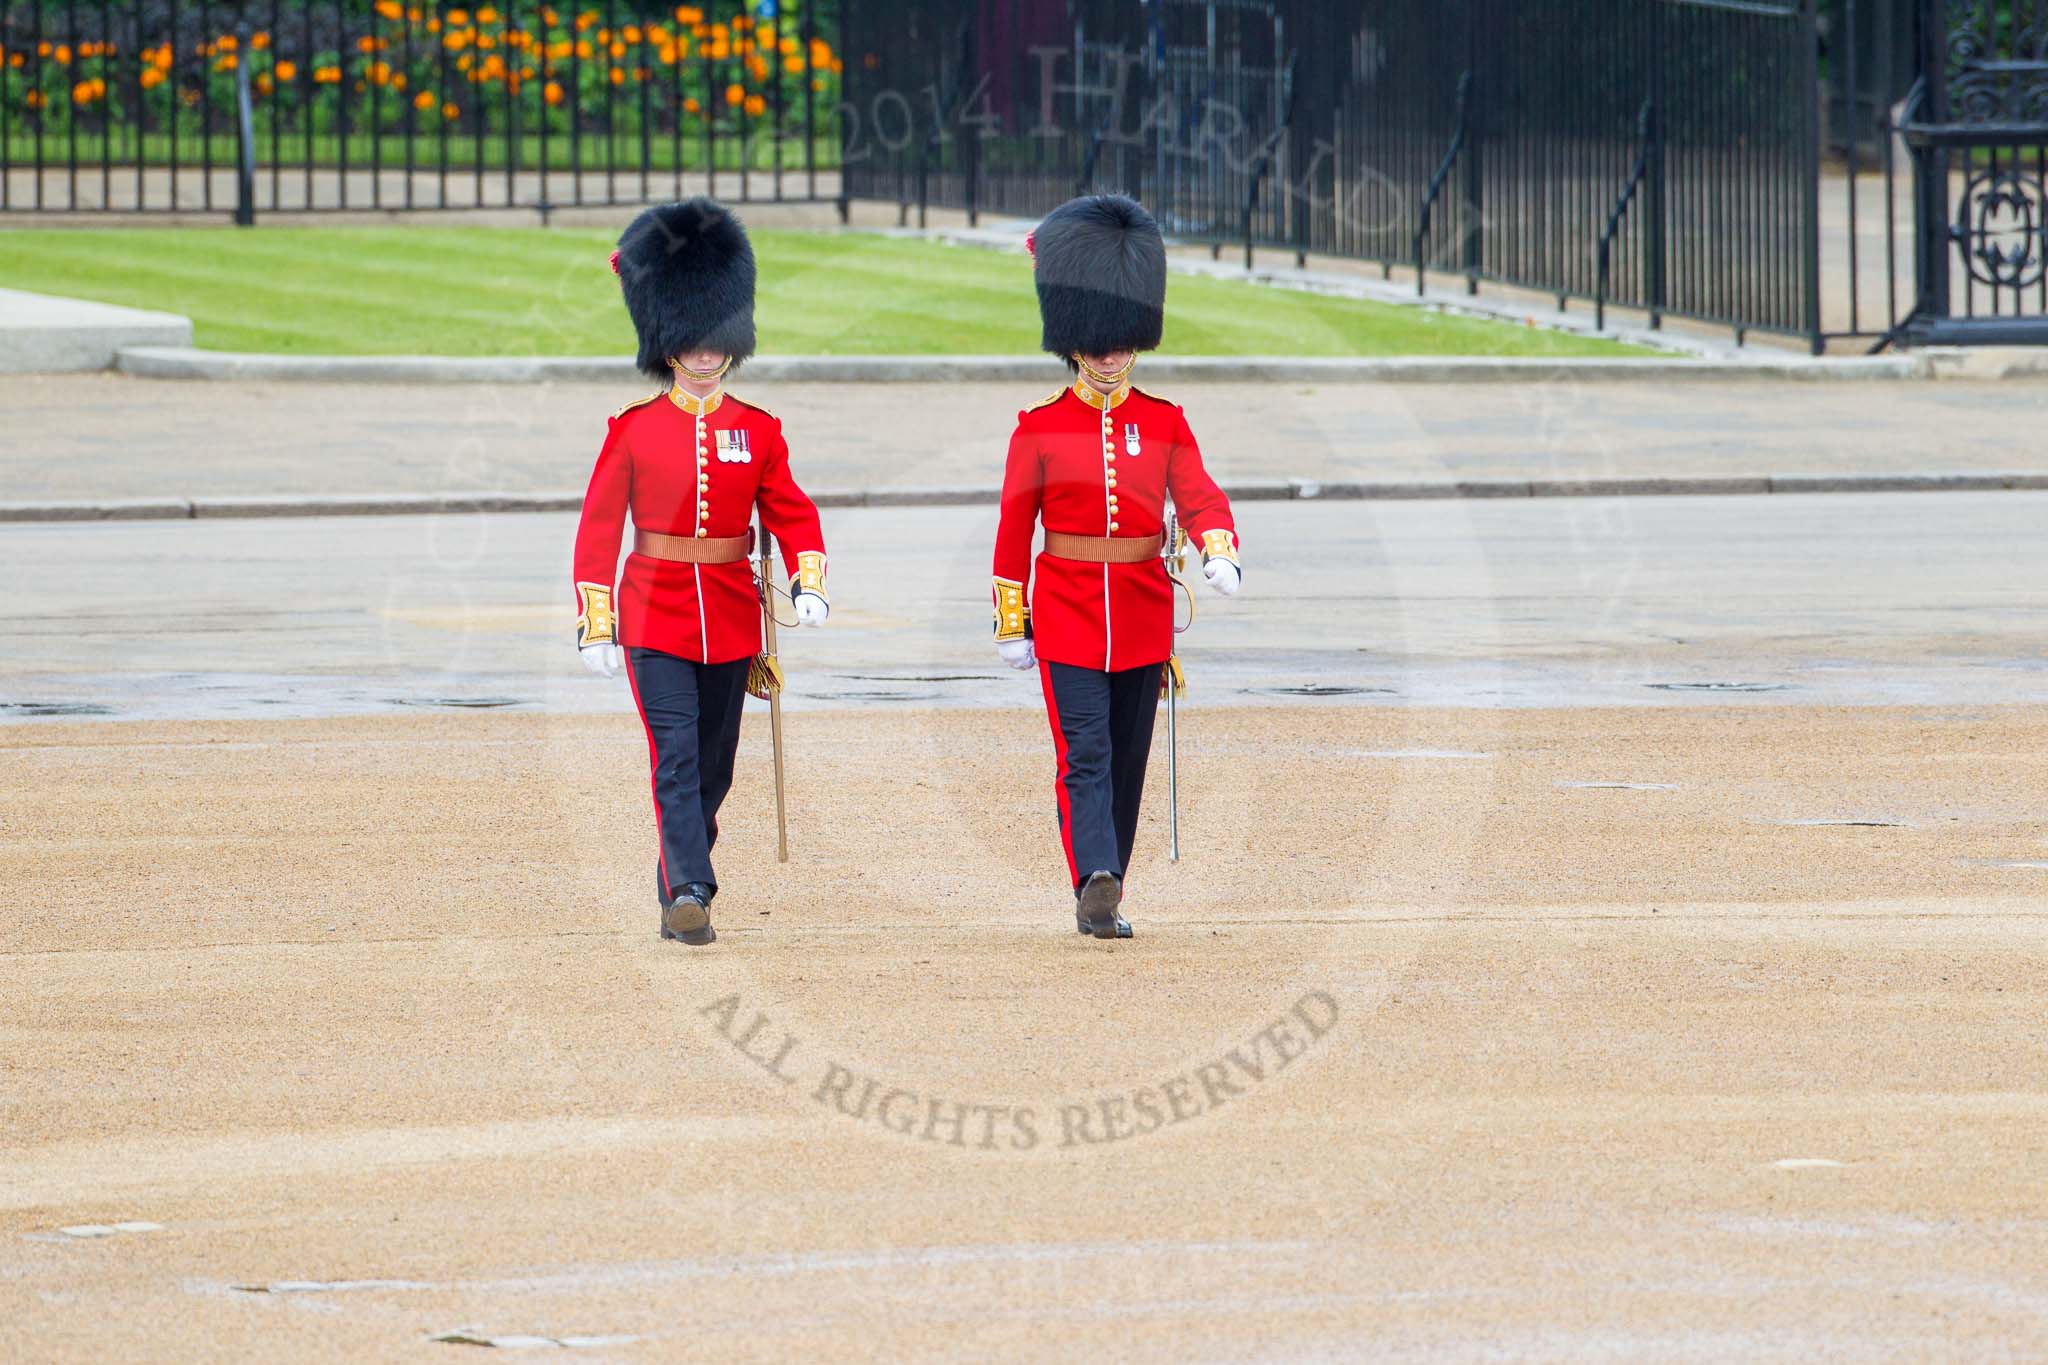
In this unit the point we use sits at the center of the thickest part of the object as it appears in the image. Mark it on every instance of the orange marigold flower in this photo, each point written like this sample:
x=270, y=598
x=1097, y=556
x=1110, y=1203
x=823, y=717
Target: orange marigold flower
x=263, y=83
x=34, y=99
x=227, y=63
x=287, y=70
x=450, y=112
x=735, y=94
x=259, y=42
x=487, y=15
x=423, y=101
x=690, y=105
x=551, y=92
x=549, y=17
x=689, y=14
x=151, y=78
x=793, y=65
x=583, y=51
x=63, y=54
x=618, y=76
x=389, y=9
x=458, y=16
x=631, y=33
x=617, y=49
x=755, y=104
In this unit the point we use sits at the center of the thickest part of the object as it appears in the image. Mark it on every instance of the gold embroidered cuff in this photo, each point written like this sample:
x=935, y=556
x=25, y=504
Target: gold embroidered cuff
x=1013, y=618
x=1219, y=545
x=810, y=574
x=597, y=625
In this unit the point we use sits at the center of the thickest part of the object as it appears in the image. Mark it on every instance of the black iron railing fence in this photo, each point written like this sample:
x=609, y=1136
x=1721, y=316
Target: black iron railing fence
x=1833, y=170
x=133, y=104
x=1657, y=153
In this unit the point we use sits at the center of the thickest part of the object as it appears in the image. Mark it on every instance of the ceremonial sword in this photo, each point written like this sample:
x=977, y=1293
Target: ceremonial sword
x=1174, y=554
x=768, y=673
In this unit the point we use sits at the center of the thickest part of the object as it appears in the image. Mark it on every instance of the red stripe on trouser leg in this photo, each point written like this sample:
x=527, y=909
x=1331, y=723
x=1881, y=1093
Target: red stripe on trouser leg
x=653, y=760
x=1059, y=782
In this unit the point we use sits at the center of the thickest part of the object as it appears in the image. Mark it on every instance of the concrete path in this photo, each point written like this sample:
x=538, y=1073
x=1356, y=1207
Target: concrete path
x=40, y=333
x=85, y=437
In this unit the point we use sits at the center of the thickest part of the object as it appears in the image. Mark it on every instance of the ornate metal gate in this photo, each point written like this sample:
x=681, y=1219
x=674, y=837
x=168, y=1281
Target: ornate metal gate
x=1976, y=127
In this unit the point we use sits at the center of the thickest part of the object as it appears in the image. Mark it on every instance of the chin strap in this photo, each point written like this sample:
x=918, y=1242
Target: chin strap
x=1097, y=376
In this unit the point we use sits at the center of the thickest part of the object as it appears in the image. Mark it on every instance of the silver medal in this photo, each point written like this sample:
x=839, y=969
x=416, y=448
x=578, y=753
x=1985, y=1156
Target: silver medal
x=1131, y=438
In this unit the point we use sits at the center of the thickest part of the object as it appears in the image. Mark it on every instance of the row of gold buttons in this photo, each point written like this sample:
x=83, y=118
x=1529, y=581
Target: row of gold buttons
x=703, y=480
x=1109, y=463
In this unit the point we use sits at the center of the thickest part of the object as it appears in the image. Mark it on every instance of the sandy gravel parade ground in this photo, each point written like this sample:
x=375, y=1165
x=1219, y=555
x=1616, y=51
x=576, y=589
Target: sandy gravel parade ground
x=1708, y=1025
x=1452, y=1053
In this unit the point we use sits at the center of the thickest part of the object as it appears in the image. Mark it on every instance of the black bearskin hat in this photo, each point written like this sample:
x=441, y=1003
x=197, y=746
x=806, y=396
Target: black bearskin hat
x=688, y=272
x=1101, y=273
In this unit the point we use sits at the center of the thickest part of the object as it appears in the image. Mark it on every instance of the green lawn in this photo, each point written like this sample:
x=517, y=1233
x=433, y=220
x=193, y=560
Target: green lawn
x=542, y=291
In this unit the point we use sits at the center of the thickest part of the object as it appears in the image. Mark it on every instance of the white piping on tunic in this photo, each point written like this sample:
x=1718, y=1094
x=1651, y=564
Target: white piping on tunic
x=1108, y=639
x=696, y=525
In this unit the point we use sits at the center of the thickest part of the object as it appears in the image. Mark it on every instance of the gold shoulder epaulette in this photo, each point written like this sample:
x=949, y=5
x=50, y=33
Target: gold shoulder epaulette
x=636, y=403
x=735, y=398
x=1050, y=398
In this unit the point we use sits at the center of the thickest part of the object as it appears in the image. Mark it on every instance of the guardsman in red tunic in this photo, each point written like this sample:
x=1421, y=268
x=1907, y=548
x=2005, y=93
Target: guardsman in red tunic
x=691, y=464
x=1097, y=464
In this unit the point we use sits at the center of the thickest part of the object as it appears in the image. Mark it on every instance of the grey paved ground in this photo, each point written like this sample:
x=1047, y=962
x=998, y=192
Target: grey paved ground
x=1803, y=600
x=99, y=436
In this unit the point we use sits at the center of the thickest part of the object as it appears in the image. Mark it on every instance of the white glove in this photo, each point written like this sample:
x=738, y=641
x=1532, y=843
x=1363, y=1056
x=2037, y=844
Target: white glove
x=1222, y=575
x=1017, y=653
x=603, y=660
x=811, y=609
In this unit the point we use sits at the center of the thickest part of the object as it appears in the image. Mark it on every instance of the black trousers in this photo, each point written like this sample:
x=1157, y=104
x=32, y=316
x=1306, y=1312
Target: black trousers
x=692, y=714
x=1102, y=734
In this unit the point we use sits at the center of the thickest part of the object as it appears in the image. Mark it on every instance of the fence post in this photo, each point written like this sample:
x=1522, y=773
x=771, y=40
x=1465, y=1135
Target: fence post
x=245, y=133
x=1809, y=204
x=1653, y=207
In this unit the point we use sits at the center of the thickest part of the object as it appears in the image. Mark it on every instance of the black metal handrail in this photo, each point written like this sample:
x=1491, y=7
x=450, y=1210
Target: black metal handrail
x=1262, y=166
x=1441, y=178
x=1646, y=135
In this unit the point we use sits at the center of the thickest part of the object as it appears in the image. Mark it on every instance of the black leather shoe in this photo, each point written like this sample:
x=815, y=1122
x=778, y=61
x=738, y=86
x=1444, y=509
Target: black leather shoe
x=688, y=920
x=1095, y=907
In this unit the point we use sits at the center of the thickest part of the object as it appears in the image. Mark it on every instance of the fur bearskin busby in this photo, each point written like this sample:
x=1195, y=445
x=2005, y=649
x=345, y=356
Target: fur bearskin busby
x=688, y=272
x=1101, y=273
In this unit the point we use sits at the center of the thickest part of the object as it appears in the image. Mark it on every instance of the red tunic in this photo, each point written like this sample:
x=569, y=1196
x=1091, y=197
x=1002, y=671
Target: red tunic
x=1091, y=466
x=688, y=474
